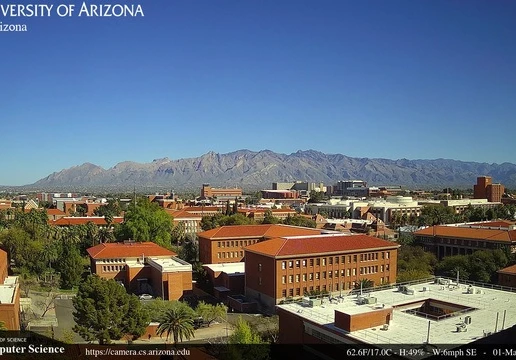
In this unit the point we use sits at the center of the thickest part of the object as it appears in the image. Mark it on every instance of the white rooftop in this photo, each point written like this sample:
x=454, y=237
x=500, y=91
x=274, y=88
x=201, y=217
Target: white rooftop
x=406, y=328
x=171, y=264
x=228, y=268
x=7, y=290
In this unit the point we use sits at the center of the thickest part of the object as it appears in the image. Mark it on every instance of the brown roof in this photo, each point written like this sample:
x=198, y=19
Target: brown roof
x=511, y=270
x=318, y=245
x=55, y=212
x=497, y=223
x=97, y=220
x=468, y=233
x=133, y=249
x=257, y=231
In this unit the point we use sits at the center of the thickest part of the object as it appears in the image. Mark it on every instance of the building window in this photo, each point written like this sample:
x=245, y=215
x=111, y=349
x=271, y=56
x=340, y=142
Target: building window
x=354, y=258
x=323, y=261
x=386, y=254
x=336, y=273
x=218, y=244
x=283, y=265
x=316, y=276
x=290, y=278
x=298, y=291
x=283, y=279
x=354, y=271
x=317, y=262
x=218, y=255
x=304, y=263
x=387, y=267
x=330, y=261
x=297, y=263
x=311, y=262
x=337, y=260
x=241, y=253
x=284, y=293
x=227, y=243
x=297, y=277
x=310, y=276
x=291, y=264
x=304, y=277
x=330, y=274
x=291, y=292
x=259, y=267
x=361, y=257
x=260, y=280
x=347, y=272
x=381, y=268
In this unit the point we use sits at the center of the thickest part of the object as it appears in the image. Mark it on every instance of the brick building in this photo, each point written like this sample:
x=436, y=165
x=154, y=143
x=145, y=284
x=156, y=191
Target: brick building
x=507, y=276
x=226, y=244
x=83, y=220
x=142, y=268
x=9, y=296
x=464, y=239
x=485, y=189
x=290, y=267
x=209, y=192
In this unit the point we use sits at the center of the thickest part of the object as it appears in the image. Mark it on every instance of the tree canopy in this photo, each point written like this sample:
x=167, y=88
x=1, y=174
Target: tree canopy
x=104, y=311
x=178, y=320
x=146, y=221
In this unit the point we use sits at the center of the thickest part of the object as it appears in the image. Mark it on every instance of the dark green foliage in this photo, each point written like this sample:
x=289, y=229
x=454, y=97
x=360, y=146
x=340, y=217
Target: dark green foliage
x=210, y=312
x=436, y=215
x=269, y=218
x=70, y=266
x=298, y=220
x=414, y=263
x=104, y=311
x=214, y=221
x=146, y=221
x=480, y=266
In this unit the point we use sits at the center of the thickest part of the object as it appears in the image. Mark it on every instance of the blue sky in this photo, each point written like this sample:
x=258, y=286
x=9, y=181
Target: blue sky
x=390, y=79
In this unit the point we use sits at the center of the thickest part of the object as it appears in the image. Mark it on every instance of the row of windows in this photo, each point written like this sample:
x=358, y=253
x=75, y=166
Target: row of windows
x=113, y=268
x=233, y=243
x=113, y=260
x=230, y=254
x=372, y=269
x=318, y=275
x=334, y=260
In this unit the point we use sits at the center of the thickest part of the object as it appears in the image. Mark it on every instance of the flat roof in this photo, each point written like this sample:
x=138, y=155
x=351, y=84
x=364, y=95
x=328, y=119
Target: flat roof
x=406, y=328
x=169, y=264
x=228, y=268
x=7, y=290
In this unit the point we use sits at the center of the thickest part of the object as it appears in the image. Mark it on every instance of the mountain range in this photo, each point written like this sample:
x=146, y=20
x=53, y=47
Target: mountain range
x=257, y=170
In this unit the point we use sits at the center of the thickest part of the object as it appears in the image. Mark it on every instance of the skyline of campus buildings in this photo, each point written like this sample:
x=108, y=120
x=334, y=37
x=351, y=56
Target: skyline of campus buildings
x=310, y=277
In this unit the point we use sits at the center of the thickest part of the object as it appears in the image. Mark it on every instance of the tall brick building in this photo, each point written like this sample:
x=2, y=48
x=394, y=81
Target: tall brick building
x=291, y=267
x=485, y=189
x=142, y=268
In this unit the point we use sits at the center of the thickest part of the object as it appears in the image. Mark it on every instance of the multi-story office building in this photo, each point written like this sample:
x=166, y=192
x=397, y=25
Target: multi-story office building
x=226, y=244
x=291, y=267
x=485, y=189
x=464, y=239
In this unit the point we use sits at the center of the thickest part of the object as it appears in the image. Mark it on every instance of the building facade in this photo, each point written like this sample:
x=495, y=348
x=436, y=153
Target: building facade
x=226, y=244
x=464, y=239
x=291, y=267
x=485, y=189
x=209, y=192
x=143, y=268
x=9, y=296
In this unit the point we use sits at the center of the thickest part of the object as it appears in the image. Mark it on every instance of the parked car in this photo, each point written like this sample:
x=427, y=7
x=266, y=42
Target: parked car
x=146, y=297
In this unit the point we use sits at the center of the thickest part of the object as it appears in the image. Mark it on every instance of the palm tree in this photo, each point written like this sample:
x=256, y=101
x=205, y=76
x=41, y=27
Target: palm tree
x=178, y=321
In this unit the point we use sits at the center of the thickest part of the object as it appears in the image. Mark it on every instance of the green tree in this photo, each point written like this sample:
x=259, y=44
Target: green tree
x=146, y=221
x=178, y=321
x=269, y=218
x=189, y=250
x=298, y=220
x=246, y=343
x=436, y=215
x=364, y=284
x=316, y=197
x=178, y=233
x=210, y=313
x=71, y=266
x=415, y=263
x=104, y=311
x=112, y=208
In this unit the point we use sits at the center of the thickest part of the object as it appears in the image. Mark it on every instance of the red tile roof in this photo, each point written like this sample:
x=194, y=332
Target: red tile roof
x=318, y=245
x=128, y=250
x=97, y=220
x=183, y=214
x=468, y=233
x=257, y=231
x=498, y=223
x=511, y=270
x=55, y=212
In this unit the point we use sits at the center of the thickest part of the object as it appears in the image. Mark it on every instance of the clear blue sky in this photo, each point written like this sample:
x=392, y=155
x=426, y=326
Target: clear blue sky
x=390, y=79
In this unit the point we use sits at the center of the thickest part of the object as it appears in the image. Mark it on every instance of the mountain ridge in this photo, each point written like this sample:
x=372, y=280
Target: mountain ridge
x=258, y=169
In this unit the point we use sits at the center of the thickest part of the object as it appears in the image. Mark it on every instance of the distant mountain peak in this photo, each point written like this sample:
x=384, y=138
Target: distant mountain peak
x=258, y=169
